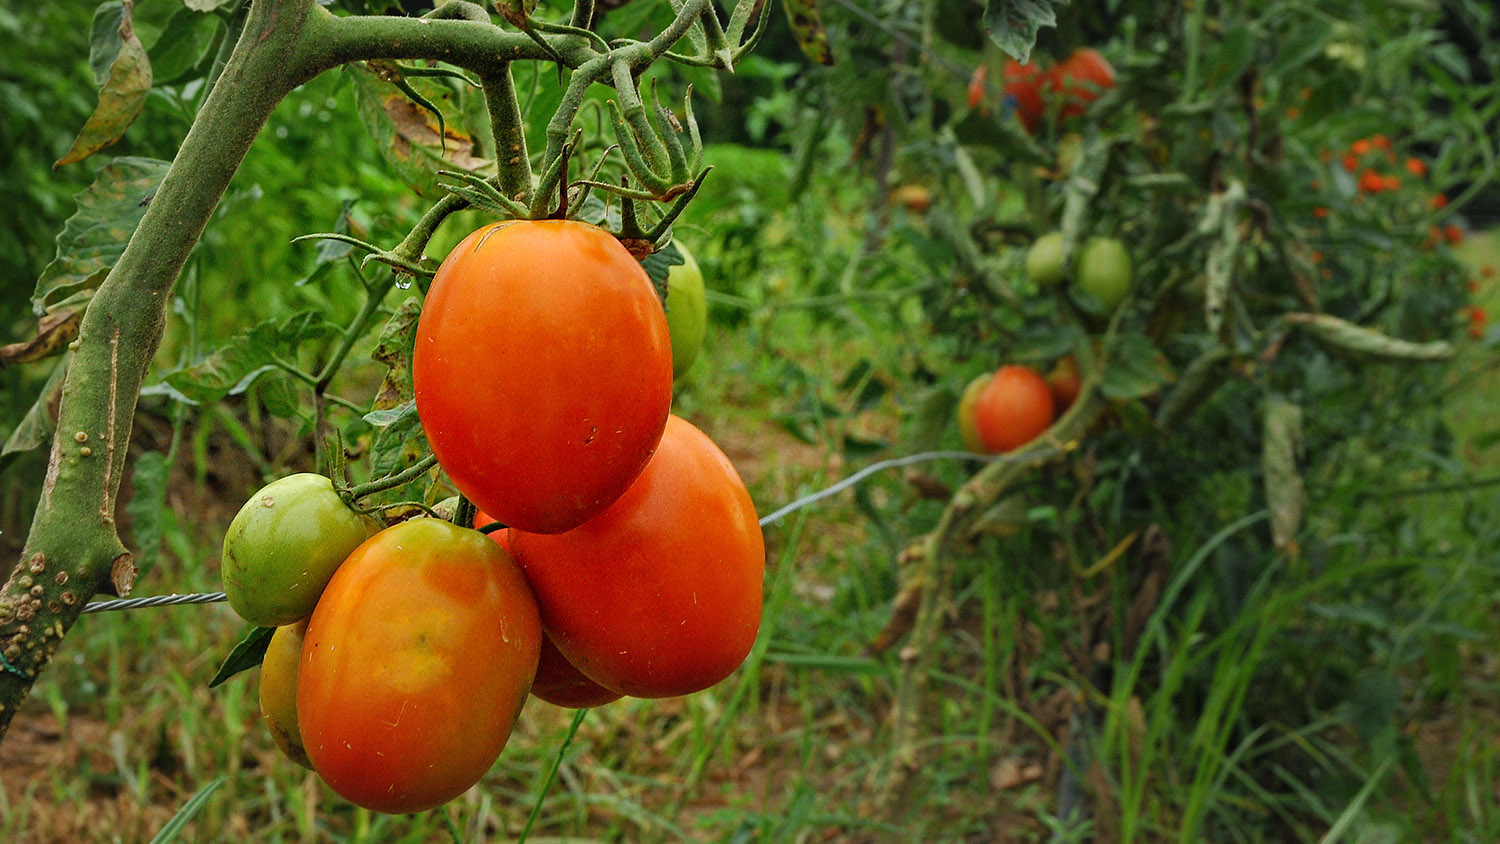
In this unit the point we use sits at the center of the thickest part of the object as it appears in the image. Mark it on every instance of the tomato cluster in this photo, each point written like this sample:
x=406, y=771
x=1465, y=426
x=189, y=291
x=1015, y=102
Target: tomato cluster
x=632, y=562
x=1072, y=83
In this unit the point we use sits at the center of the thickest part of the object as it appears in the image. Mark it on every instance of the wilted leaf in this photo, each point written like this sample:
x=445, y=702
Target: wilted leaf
x=394, y=349
x=1284, y=491
x=1356, y=338
x=118, y=56
x=53, y=334
x=249, y=653
x=807, y=28
x=37, y=425
x=1201, y=377
x=93, y=238
x=146, y=506
x=411, y=137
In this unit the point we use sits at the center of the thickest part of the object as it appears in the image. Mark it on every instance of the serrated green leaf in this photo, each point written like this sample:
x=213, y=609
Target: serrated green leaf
x=246, y=655
x=657, y=266
x=118, y=56
x=93, y=238
x=278, y=394
x=398, y=441
x=182, y=44
x=236, y=364
x=1136, y=368
x=147, y=504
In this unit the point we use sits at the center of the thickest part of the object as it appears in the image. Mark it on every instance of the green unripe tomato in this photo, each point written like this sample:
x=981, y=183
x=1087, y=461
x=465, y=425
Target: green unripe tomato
x=687, y=311
x=1104, y=271
x=1044, y=260
x=285, y=544
x=968, y=427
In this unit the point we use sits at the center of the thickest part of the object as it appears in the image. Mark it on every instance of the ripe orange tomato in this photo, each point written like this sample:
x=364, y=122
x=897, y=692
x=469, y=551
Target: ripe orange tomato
x=660, y=594
x=557, y=681
x=1080, y=79
x=542, y=371
x=1014, y=408
x=1024, y=82
x=1064, y=383
x=415, y=664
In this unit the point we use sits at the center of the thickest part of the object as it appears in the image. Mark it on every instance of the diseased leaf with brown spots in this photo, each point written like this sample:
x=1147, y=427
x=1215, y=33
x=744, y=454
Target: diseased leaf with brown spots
x=417, y=146
x=807, y=27
x=394, y=349
x=93, y=238
x=123, y=71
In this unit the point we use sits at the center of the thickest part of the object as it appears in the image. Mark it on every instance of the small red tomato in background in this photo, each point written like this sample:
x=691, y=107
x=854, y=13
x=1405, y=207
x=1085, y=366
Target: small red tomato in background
x=976, y=87
x=1064, y=383
x=1080, y=79
x=1415, y=167
x=1024, y=83
x=1014, y=408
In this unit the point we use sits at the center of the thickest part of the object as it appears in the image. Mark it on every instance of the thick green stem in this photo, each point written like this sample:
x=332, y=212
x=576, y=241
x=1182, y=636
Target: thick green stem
x=74, y=549
x=510, y=134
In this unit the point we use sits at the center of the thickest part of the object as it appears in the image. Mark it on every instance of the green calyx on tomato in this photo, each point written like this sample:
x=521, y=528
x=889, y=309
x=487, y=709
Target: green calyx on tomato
x=284, y=545
x=1044, y=260
x=415, y=664
x=542, y=371
x=687, y=311
x=1104, y=271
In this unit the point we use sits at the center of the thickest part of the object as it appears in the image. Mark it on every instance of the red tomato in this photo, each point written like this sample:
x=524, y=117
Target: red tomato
x=415, y=664
x=557, y=681
x=660, y=594
x=543, y=371
x=1024, y=82
x=1064, y=383
x=561, y=684
x=976, y=86
x=1080, y=79
x=1014, y=409
x=1416, y=167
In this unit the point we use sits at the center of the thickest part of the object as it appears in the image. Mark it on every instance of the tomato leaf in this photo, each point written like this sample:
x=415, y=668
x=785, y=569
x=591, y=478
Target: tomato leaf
x=123, y=71
x=807, y=28
x=54, y=331
x=398, y=439
x=182, y=45
x=1136, y=368
x=394, y=349
x=1013, y=24
x=93, y=238
x=247, y=654
x=658, y=264
x=234, y=366
x=416, y=143
x=933, y=415
x=36, y=427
